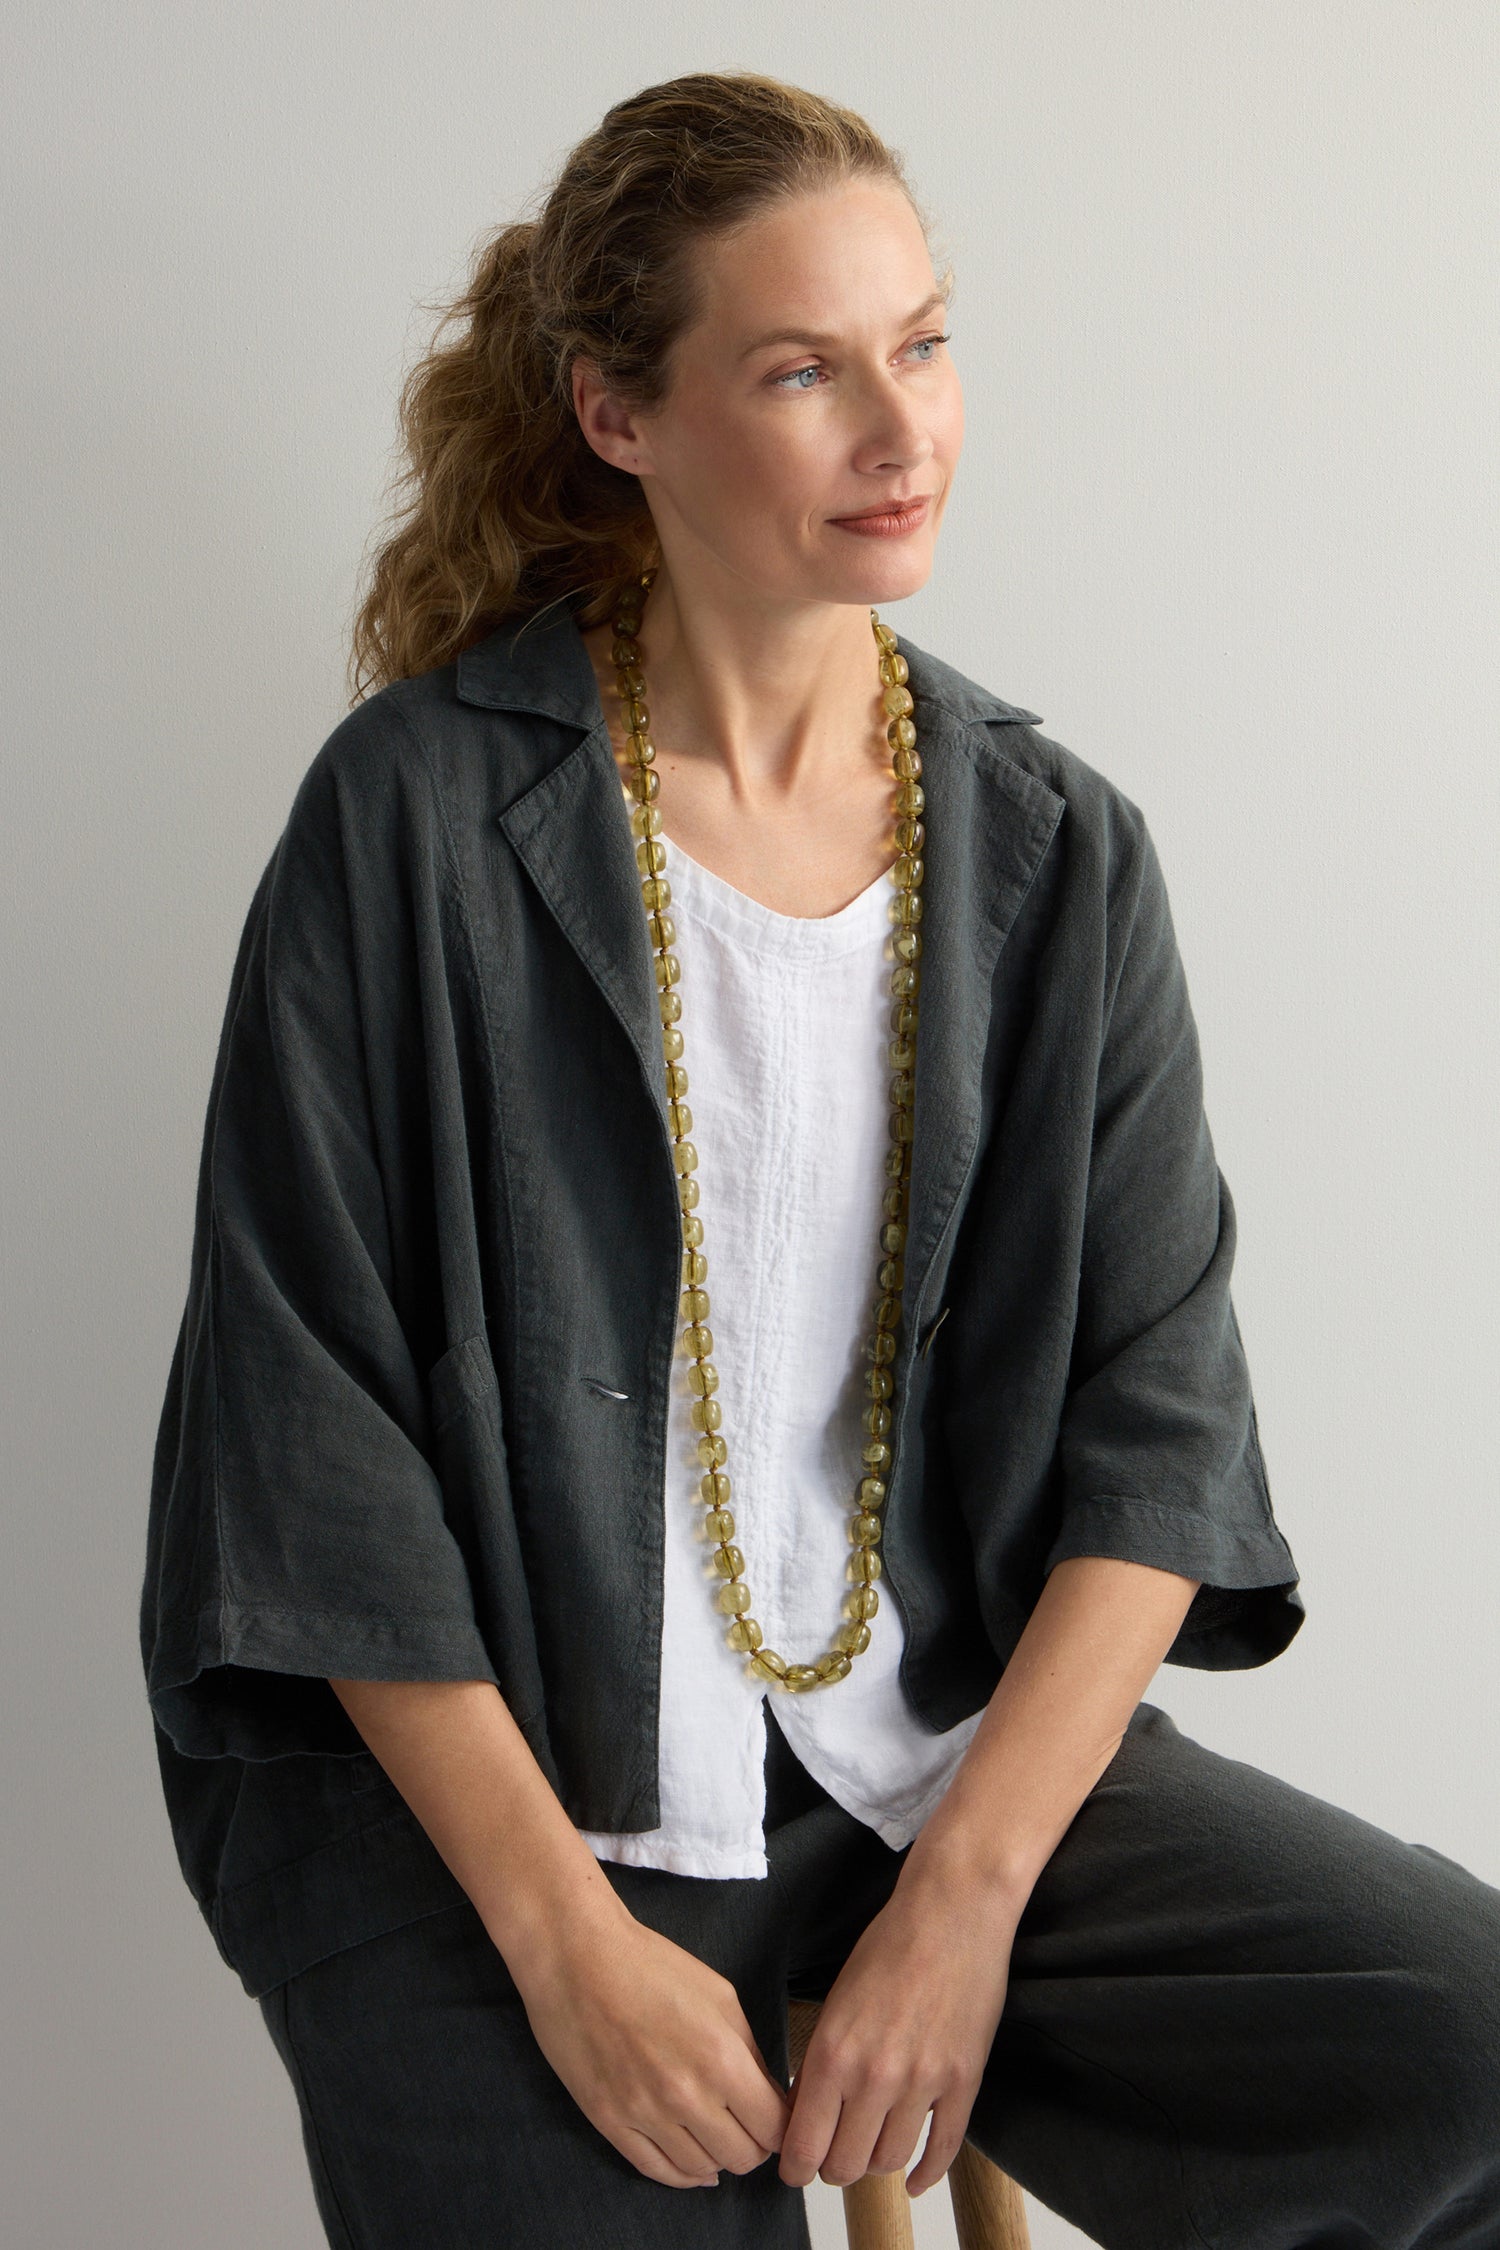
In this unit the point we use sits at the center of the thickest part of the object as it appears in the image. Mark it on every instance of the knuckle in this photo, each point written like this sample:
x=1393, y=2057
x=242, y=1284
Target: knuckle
x=885, y=2074
x=673, y=2088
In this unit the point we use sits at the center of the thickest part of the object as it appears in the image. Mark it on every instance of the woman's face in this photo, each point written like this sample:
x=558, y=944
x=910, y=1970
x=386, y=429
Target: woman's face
x=814, y=386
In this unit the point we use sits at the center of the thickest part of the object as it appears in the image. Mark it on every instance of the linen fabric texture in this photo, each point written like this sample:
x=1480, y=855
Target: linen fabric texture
x=1236, y=2018
x=437, y=1229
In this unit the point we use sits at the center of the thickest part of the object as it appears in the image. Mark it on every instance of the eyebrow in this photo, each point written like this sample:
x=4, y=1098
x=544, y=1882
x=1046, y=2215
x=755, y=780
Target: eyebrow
x=819, y=337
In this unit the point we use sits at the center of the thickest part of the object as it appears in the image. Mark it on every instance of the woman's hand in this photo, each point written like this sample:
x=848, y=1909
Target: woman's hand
x=656, y=2050
x=906, y=2028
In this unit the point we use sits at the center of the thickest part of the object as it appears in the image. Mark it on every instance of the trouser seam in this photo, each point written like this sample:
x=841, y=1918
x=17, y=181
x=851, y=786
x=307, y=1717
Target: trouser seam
x=1107, y=2071
x=350, y=2242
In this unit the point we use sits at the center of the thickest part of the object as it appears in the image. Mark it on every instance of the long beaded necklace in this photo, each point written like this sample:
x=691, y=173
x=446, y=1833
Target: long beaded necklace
x=733, y=1594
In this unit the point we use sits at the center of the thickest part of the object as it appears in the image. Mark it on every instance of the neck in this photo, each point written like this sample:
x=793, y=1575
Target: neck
x=784, y=700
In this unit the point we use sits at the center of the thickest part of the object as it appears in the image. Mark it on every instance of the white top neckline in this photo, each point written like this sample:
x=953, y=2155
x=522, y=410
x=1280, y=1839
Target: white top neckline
x=748, y=921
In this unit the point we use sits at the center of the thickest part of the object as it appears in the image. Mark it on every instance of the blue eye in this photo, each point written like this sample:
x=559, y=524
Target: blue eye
x=790, y=381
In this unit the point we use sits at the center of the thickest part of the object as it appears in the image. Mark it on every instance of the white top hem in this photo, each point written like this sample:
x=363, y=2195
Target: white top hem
x=683, y=1857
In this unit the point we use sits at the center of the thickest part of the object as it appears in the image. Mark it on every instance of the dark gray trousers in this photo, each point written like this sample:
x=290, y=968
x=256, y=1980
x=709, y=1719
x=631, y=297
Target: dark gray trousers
x=1238, y=2018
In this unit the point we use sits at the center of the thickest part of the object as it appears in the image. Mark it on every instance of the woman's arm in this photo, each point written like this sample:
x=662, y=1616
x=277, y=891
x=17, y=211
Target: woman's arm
x=909, y=2022
x=457, y=1756
x=651, y=2042
x=1089, y=1651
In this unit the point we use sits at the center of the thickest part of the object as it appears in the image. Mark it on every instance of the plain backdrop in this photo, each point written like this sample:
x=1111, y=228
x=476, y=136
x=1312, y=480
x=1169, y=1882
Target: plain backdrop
x=1226, y=515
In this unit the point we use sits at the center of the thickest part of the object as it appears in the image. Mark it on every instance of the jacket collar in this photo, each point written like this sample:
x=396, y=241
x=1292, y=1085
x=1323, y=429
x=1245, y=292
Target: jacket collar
x=542, y=665
x=989, y=823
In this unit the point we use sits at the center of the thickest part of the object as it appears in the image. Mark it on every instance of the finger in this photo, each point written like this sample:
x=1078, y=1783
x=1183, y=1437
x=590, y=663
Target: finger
x=759, y=2106
x=861, y=2122
x=899, y=2136
x=816, y=2102
x=683, y=2148
x=748, y=2128
x=950, y=2121
x=763, y=2124
x=647, y=2156
x=768, y=2082
x=732, y=2148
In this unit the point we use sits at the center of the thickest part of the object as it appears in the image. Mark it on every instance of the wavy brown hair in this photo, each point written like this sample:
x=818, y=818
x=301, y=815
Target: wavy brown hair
x=503, y=508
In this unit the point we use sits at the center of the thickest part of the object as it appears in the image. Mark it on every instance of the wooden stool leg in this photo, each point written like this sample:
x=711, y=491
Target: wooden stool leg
x=877, y=2213
x=801, y=2022
x=989, y=2210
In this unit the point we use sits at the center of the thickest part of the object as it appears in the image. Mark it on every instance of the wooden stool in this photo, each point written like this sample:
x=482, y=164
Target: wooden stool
x=988, y=2209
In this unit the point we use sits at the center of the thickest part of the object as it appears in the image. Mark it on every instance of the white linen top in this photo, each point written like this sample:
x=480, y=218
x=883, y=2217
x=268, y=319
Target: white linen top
x=785, y=1023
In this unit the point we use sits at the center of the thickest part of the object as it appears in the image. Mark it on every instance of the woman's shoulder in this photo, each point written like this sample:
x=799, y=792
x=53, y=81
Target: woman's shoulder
x=492, y=716
x=489, y=714
x=1088, y=797
x=396, y=752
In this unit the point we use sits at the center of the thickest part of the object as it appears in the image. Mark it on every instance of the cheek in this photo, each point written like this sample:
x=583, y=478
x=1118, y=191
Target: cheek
x=948, y=433
x=770, y=466
x=732, y=456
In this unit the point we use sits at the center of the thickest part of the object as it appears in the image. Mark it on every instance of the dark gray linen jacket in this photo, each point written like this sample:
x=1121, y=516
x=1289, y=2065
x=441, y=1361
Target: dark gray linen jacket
x=415, y=1423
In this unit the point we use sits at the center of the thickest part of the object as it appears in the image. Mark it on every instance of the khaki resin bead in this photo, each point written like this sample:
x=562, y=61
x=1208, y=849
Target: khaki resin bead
x=643, y=785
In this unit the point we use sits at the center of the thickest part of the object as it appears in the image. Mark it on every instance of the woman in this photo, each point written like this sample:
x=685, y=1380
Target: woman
x=533, y=1708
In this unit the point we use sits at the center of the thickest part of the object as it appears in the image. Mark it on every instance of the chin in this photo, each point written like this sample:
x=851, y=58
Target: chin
x=902, y=576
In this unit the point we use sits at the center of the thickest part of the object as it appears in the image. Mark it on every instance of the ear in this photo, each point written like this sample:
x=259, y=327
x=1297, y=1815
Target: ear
x=610, y=428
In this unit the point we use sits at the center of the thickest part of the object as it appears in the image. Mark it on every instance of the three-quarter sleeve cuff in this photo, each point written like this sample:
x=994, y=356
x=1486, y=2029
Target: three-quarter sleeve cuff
x=1246, y=1609
x=254, y=1681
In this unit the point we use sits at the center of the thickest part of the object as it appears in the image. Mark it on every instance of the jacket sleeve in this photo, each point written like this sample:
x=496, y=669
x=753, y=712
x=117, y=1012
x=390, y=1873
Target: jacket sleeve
x=296, y=1524
x=1159, y=1448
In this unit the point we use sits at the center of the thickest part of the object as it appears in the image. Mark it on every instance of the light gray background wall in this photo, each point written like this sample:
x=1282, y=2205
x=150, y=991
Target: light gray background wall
x=1226, y=518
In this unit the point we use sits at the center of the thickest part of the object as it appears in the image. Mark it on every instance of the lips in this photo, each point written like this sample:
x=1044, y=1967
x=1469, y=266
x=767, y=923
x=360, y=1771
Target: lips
x=911, y=505
x=889, y=521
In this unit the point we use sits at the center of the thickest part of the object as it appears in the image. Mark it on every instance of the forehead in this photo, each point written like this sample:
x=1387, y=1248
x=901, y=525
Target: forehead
x=819, y=227
x=804, y=270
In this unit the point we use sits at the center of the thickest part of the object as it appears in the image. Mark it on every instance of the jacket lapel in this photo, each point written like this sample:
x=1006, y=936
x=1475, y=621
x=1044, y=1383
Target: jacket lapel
x=989, y=822
x=572, y=831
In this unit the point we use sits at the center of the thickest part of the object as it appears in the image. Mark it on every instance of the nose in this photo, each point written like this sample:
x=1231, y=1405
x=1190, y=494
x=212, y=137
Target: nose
x=899, y=437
